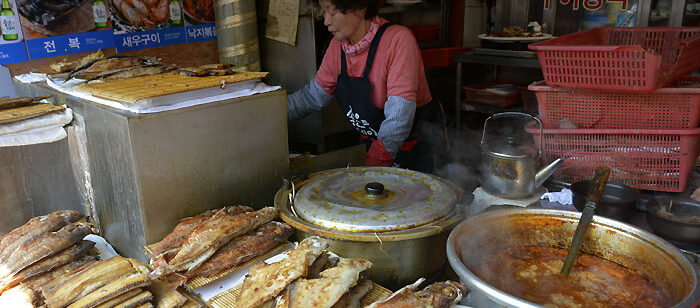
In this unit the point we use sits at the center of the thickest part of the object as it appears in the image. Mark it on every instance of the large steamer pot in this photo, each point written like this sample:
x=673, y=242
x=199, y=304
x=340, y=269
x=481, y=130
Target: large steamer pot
x=623, y=244
x=400, y=252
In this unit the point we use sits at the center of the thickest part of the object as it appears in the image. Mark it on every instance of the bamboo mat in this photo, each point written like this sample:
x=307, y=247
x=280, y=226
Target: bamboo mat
x=228, y=299
x=27, y=112
x=197, y=282
x=131, y=90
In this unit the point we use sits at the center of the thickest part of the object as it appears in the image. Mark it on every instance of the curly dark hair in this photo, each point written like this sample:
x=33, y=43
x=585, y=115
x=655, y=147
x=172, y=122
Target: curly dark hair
x=345, y=6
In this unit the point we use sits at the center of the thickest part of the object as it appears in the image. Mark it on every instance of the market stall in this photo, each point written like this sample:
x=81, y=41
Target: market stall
x=163, y=177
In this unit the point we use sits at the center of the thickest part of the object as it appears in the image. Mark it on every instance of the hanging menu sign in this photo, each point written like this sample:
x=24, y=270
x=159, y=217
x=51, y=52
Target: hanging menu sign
x=71, y=26
x=199, y=20
x=589, y=5
x=12, y=48
x=147, y=23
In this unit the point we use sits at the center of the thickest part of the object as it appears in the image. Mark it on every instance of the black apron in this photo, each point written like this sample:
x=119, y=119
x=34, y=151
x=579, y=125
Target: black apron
x=354, y=94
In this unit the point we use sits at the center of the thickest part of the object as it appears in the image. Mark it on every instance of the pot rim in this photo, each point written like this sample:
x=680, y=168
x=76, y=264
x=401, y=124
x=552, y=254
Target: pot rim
x=633, y=194
x=503, y=298
x=289, y=217
x=666, y=219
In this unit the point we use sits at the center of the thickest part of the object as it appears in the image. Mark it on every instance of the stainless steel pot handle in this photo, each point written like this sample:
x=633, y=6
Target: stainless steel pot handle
x=513, y=113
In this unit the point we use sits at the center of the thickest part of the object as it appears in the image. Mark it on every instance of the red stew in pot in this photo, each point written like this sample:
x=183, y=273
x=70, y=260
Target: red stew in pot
x=532, y=273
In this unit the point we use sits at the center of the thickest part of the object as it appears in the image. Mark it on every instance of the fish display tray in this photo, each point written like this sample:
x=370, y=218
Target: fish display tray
x=198, y=282
x=27, y=112
x=133, y=90
x=229, y=298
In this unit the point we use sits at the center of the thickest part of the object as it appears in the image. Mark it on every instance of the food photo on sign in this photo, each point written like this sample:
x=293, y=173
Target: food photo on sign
x=60, y=17
x=141, y=15
x=61, y=27
x=12, y=47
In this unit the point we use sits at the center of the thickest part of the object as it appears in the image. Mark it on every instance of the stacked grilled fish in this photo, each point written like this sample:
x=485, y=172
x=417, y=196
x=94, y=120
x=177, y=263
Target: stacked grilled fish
x=46, y=262
x=207, y=244
x=41, y=249
x=307, y=276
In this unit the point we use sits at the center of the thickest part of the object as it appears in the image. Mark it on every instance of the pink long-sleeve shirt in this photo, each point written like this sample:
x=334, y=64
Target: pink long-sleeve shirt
x=397, y=69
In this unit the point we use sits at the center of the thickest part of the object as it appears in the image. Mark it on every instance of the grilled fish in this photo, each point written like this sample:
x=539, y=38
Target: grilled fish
x=113, y=289
x=116, y=301
x=239, y=250
x=168, y=247
x=56, y=260
x=216, y=66
x=165, y=297
x=39, y=248
x=193, y=72
x=438, y=295
x=212, y=234
x=139, y=300
x=135, y=71
x=33, y=229
x=65, y=65
x=353, y=297
x=326, y=290
x=90, y=279
x=36, y=283
x=265, y=281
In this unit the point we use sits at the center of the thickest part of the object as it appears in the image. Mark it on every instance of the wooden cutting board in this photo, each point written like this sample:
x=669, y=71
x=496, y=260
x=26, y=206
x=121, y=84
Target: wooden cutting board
x=131, y=90
x=27, y=112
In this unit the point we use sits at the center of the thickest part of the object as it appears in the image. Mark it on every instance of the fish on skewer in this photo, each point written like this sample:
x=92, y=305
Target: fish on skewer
x=212, y=234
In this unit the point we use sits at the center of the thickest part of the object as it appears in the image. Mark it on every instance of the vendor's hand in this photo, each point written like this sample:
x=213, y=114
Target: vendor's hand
x=696, y=194
x=378, y=156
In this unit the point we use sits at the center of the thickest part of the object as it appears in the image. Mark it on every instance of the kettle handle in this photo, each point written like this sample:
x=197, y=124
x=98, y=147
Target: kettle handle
x=513, y=113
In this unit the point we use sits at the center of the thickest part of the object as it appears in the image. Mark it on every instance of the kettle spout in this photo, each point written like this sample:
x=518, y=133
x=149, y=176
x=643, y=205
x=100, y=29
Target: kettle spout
x=547, y=171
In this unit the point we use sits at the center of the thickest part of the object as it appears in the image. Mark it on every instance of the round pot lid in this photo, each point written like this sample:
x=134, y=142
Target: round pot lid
x=375, y=199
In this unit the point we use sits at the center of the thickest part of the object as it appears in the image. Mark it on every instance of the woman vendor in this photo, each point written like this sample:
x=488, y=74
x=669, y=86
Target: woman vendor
x=375, y=71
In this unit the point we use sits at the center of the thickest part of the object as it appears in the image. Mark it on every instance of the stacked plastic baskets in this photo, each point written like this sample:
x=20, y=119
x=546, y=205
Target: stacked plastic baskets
x=626, y=92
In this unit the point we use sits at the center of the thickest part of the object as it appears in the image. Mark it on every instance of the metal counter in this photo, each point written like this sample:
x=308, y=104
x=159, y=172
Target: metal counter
x=148, y=171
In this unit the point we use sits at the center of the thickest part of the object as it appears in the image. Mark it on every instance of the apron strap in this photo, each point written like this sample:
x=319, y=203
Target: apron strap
x=373, y=49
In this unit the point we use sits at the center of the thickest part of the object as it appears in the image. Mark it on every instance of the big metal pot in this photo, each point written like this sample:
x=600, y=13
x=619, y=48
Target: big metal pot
x=510, y=163
x=623, y=244
x=396, y=218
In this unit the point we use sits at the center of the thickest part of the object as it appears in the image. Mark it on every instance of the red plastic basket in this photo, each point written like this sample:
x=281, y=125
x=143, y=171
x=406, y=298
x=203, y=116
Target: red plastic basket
x=441, y=57
x=667, y=108
x=644, y=159
x=620, y=59
x=476, y=93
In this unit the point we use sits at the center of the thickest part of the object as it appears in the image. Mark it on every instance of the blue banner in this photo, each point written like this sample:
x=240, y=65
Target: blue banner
x=13, y=53
x=203, y=32
x=69, y=43
x=148, y=39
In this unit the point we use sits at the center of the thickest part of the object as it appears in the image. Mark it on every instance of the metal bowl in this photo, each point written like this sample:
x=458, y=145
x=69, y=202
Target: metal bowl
x=399, y=256
x=675, y=224
x=618, y=201
x=623, y=244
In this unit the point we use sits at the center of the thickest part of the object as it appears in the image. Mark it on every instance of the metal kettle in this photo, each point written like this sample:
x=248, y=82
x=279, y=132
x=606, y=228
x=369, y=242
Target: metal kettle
x=510, y=160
